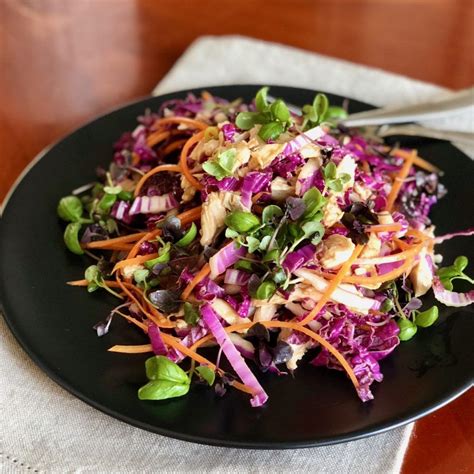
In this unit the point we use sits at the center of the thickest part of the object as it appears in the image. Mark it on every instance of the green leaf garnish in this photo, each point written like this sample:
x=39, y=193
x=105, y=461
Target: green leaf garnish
x=427, y=318
x=71, y=238
x=167, y=380
x=271, y=130
x=407, y=329
x=70, y=209
x=270, y=212
x=206, y=374
x=454, y=272
x=242, y=221
x=265, y=290
x=191, y=314
x=222, y=167
x=261, y=102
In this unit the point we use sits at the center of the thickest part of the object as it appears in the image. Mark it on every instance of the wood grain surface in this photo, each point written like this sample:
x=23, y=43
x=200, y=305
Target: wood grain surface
x=64, y=61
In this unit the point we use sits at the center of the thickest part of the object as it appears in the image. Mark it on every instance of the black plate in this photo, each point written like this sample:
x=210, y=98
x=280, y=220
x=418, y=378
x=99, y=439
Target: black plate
x=53, y=321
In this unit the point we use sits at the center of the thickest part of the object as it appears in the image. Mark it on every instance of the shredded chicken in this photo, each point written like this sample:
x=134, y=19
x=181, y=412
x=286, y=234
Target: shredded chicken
x=264, y=155
x=188, y=189
x=332, y=212
x=280, y=189
x=265, y=313
x=347, y=166
x=422, y=275
x=335, y=250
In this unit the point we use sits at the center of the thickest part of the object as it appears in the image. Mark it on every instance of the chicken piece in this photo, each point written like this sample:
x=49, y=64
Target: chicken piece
x=276, y=299
x=361, y=192
x=422, y=274
x=242, y=155
x=265, y=313
x=311, y=151
x=214, y=212
x=262, y=156
x=227, y=313
x=307, y=171
x=332, y=212
x=299, y=350
x=372, y=248
x=347, y=166
x=188, y=190
x=336, y=249
x=281, y=189
x=212, y=217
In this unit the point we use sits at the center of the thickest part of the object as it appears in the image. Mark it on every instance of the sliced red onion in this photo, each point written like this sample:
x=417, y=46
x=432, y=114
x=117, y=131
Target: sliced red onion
x=233, y=355
x=451, y=298
x=236, y=277
x=226, y=257
x=301, y=140
x=153, y=204
x=462, y=233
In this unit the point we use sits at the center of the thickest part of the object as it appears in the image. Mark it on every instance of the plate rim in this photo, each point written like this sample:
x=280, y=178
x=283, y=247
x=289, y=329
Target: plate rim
x=203, y=440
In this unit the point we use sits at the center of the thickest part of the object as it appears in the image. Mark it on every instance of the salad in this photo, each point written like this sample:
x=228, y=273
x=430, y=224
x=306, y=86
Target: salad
x=279, y=238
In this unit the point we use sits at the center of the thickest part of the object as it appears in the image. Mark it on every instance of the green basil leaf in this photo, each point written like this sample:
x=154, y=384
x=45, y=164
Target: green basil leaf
x=427, y=318
x=270, y=212
x=162, y=390
x=70, y=209
x=280, y=111
x=191, y=314
x=407, y=329
x=261, y=102
x=71, y=238
x=242, y=221
x=206, y=374
x=188, y=237
x=161, y=368
x=271, y=131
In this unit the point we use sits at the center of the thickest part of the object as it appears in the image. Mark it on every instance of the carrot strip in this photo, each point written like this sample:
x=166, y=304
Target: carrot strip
x=205, y=270
x=385, y=227
x=181, y=120
x=183, y=160
x=116, y=240
x=139, y=349
x=398, y=181
x=134, y=261
x=361, y=280
x=156, y=138
x=345, y=268
x=296, y=327
x=157, y=169
x=420, y=162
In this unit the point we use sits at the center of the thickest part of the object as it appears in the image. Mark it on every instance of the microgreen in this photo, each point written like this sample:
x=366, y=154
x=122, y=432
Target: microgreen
x=191, y=314
x=188, y=237
x=320, y=111
x=166, y=380
x=95, y=280
x=407, y=329
x=332, y=179
x=206, y=374
x=222, y=166
x=265, y=290
x=242, y=221
x=454, y=272
x=71, y=238
x=274, y=118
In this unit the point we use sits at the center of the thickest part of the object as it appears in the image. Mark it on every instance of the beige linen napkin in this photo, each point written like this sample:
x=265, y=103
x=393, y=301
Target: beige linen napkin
x=45, y=429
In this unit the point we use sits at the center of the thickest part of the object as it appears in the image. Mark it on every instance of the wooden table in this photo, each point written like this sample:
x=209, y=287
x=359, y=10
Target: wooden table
x=64, y=61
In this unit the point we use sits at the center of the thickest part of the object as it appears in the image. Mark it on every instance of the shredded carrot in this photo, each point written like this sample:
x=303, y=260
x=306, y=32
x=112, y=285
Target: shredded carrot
x=116, y=240
x=402, y=244
x=140, y=349
x=157, y=169
x=345, y=268
x=109, y=283
x=205, y=270
x=410, y=251
x=134, y=261
x=418, y=234
x=296, y=327
x=156, y=138
x=183, y=160
x=385, y=228
x=420, y=162
x=398, y=181
x=365, y=166
x=174, y=146
x=206, y=95
x=135, y=159
x=181, y=120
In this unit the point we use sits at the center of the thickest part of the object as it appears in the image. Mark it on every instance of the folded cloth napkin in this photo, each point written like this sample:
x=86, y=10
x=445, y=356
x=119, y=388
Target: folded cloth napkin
x=45, y=429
